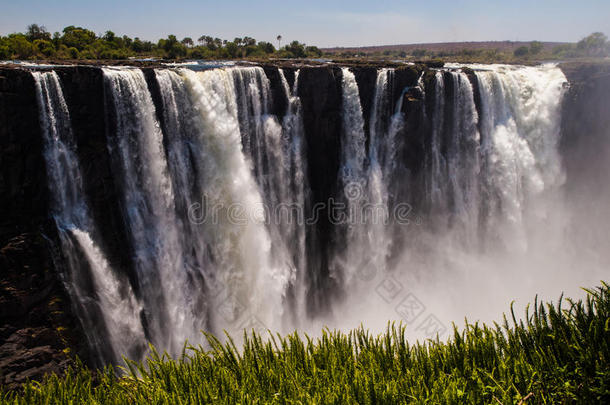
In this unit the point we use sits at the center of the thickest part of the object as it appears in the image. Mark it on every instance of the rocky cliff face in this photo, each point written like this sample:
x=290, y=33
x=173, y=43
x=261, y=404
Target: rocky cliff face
x=39, y=333
x=585, y=147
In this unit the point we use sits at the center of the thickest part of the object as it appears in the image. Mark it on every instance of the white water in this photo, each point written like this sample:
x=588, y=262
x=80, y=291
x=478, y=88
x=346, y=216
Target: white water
x=114, y=301
x=521, y=132
x=149, y=212
x=497, y=229
x=353, y=185
x=255, y=284
x=296, y=195
x=200, y=198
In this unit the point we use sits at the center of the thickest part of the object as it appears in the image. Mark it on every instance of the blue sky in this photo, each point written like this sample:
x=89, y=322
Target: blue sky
x=319, y=22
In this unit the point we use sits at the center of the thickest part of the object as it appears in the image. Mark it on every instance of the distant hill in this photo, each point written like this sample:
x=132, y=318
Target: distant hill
x=502, y=46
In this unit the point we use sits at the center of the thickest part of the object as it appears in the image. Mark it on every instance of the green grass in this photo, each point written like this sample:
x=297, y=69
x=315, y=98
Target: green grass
x=556, y=354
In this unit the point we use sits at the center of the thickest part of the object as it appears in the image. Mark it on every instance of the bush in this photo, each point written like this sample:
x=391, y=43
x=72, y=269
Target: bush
x=295, y=50
x=521, y=51
x=594, y=44
x=78, y=37
x=313, y=52
x=536, y=47
x=44, y=47
x=20, y=47
x=5, y=52
x=73, y=52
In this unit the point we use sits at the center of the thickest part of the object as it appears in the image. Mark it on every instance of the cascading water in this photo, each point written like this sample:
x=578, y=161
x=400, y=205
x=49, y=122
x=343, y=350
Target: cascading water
x=99, y=294
x=462, y=159
x=246, y=286
x=172, y=315
x=214, y=190
x=520, y=125
x=352, y=183
x=295, y=199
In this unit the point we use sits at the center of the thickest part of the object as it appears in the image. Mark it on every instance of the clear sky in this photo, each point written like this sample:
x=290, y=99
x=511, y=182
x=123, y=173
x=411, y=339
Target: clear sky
x=320, y=22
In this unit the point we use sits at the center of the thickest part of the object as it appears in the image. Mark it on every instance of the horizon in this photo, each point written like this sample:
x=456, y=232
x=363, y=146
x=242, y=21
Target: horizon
x=358, y=24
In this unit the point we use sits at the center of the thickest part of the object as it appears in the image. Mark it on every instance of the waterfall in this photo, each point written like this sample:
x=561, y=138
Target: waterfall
x=463, y=159
x=98, y=293
x=214, y=188
x=436, y=194
x=352, y=182
x=295, y=200
x=520, y=132
x=171, y=313
x=240, y=242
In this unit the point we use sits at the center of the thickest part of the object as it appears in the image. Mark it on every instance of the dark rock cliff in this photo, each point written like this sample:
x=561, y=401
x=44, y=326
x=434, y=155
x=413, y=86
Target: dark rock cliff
x=83, y=89
x=38, y=332
x=585, y=149
x=320, y=92
x=23, y=195
x=585, y=122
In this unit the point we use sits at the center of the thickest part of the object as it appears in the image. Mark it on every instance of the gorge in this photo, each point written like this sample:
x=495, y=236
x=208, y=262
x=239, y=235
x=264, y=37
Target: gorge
x=148, y=204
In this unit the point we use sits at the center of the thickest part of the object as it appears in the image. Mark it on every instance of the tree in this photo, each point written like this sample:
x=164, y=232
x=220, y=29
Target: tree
x=109, y=36
x=35, y=31
x=313, y=51
x=78, y=37
x=231, y=48
x=137, y=45
x=20, y=47
x=296, y=49
x=536, y=47
x=5, y=52
x=266, y=47
x=279, y=41
x=418, y=53
x=521, y=51
x=594, y=44
x=188, y=41
x=247, y=41
x=45, y=47
x=173, y=49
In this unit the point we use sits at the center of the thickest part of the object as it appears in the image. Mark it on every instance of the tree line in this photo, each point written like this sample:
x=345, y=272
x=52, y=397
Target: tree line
x=593, y=46
x=81, y=43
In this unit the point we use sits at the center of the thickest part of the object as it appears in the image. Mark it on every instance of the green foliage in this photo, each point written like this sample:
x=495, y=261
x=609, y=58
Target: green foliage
x=521, y=51
x=81, y=43
x=536, y=47
x=5, y=50
x=20, y=47
x=188, y=41
x=556, y=354
x=295, y=50
x=313, y=52
x=78, y=37
x=418, y=53
x=35, y=32
x=595, y=44
x=266, y=47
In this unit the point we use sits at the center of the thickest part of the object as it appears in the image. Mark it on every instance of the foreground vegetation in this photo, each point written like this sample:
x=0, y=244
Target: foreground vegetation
x=557, y=354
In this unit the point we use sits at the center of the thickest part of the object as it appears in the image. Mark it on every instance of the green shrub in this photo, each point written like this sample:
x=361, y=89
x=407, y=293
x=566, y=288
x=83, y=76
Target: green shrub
x=521, y=51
